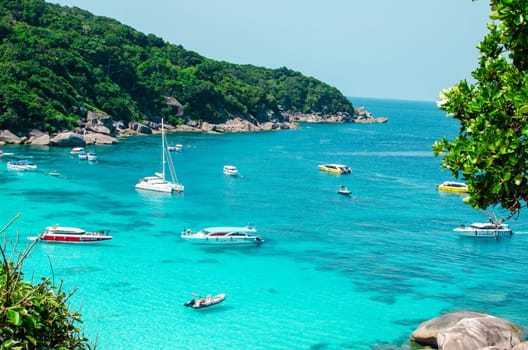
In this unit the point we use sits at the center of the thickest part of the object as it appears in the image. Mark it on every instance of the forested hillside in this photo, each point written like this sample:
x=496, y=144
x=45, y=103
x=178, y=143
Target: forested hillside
x=57, y=62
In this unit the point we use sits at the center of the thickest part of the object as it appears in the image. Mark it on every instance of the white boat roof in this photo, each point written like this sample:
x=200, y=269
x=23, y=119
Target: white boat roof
x=487, y=225
x=454, y=183
x=65, y=229
x=230, y=229
x=335, y=164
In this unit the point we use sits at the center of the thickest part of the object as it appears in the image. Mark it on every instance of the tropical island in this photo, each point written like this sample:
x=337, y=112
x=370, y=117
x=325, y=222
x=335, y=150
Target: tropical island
x=65, y=69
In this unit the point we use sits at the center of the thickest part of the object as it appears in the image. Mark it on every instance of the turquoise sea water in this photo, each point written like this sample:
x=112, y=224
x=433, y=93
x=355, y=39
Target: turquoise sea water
x=334, y=272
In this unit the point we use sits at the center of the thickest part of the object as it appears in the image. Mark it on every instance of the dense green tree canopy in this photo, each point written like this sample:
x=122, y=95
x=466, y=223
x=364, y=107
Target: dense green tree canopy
x=56, y=62
x=491, y=152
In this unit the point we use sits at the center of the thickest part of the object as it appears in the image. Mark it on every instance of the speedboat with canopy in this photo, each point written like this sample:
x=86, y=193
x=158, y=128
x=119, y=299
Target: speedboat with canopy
x=229, y=235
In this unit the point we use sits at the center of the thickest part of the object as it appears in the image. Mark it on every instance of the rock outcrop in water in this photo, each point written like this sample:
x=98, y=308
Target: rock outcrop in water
x=99, y=128
x=467, y=330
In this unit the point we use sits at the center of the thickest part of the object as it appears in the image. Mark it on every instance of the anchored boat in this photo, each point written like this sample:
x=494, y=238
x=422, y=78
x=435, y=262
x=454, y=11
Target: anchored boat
x=335, y=168
x=63, y=234
x=209, y=300
x=484, y=230
x=223, y=235
x=453, y=186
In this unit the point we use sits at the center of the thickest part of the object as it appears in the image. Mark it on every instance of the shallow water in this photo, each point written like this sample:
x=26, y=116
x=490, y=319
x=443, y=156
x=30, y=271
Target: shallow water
x=335, y=272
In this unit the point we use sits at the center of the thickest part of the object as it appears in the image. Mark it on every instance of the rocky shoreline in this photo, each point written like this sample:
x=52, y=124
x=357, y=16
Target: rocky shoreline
x=99, y=128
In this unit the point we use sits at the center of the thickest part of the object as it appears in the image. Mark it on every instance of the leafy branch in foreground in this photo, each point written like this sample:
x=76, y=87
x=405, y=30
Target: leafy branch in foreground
x=491, y=151
x=34, y=316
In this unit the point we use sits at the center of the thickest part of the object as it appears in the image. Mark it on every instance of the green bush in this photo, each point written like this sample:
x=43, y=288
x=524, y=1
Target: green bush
x=34, y=316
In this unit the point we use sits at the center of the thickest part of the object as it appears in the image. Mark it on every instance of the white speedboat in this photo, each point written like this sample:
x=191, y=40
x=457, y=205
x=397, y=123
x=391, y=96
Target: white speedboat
x=335, y=168
x=5, y=153
x=344, y=190
x=453, y=186
x=91, y=155
x=230, y=170
x=158, y=182
x=76, y=150
x=175, y=147
x=484, y=230
x=223, y=235
x=209, y=300
x=21, y=165
x=82, y=155
x=64, y=234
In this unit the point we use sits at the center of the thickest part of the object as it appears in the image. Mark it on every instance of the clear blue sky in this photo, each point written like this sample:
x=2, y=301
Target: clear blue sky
x=407, y=49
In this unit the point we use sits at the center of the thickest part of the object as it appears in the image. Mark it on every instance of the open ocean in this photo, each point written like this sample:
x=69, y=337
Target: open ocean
x=334, y=272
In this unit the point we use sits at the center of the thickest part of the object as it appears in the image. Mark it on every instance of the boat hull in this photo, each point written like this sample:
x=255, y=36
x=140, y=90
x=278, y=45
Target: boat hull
x=484, y=230
x=224, y=241
x=205, y=302
x=335, y=168
x=483, y=233
x=62, y=234
x=230, y=170
x=223, y=236
x=454, y=187
x=155, y=183
x=21, y=165
x=73, y=239
x=156, y=188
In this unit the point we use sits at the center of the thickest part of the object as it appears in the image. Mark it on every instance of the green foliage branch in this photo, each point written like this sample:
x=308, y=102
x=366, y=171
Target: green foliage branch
x=34, y=316
x=491, y=151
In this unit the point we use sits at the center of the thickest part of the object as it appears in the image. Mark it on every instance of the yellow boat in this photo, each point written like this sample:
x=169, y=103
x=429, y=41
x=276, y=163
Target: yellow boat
x=335, y=168
x=452, y=186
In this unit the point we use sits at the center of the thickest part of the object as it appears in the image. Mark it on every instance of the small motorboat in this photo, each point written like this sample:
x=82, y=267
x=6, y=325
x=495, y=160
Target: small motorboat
x=91, y=155
x=201, y=303
x=335, y=168
x=82, y=155
x=344, y=190
x=77, y=150
x=230, y=170
x=63, y=234
x=175, y=147
x=21, y=165
x=453, y=186
x=484, y=230
x=229, y=235
x=5, y=153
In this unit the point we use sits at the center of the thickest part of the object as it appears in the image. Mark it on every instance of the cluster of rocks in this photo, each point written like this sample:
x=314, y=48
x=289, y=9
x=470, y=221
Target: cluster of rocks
x=99, y=128
x=365, y=117
x=361, y=115
x=466, y=330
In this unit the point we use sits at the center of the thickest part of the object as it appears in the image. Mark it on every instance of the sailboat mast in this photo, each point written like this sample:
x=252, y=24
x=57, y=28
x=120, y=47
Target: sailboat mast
x=162, y=150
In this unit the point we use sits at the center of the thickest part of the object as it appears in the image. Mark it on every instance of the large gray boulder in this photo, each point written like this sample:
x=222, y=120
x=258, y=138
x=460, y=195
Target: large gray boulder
x=42, y=140
x=140, y=128
x=100, y=139
x=7, y=137
x=38, y=138
x=467, y=330
x=68, y=139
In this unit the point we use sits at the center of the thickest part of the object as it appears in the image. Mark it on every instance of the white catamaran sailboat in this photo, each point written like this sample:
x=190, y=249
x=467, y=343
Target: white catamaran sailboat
x=158, y=182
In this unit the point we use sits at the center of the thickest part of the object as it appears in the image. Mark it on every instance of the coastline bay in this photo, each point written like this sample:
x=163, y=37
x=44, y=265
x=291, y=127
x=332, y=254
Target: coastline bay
x=334, y=272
